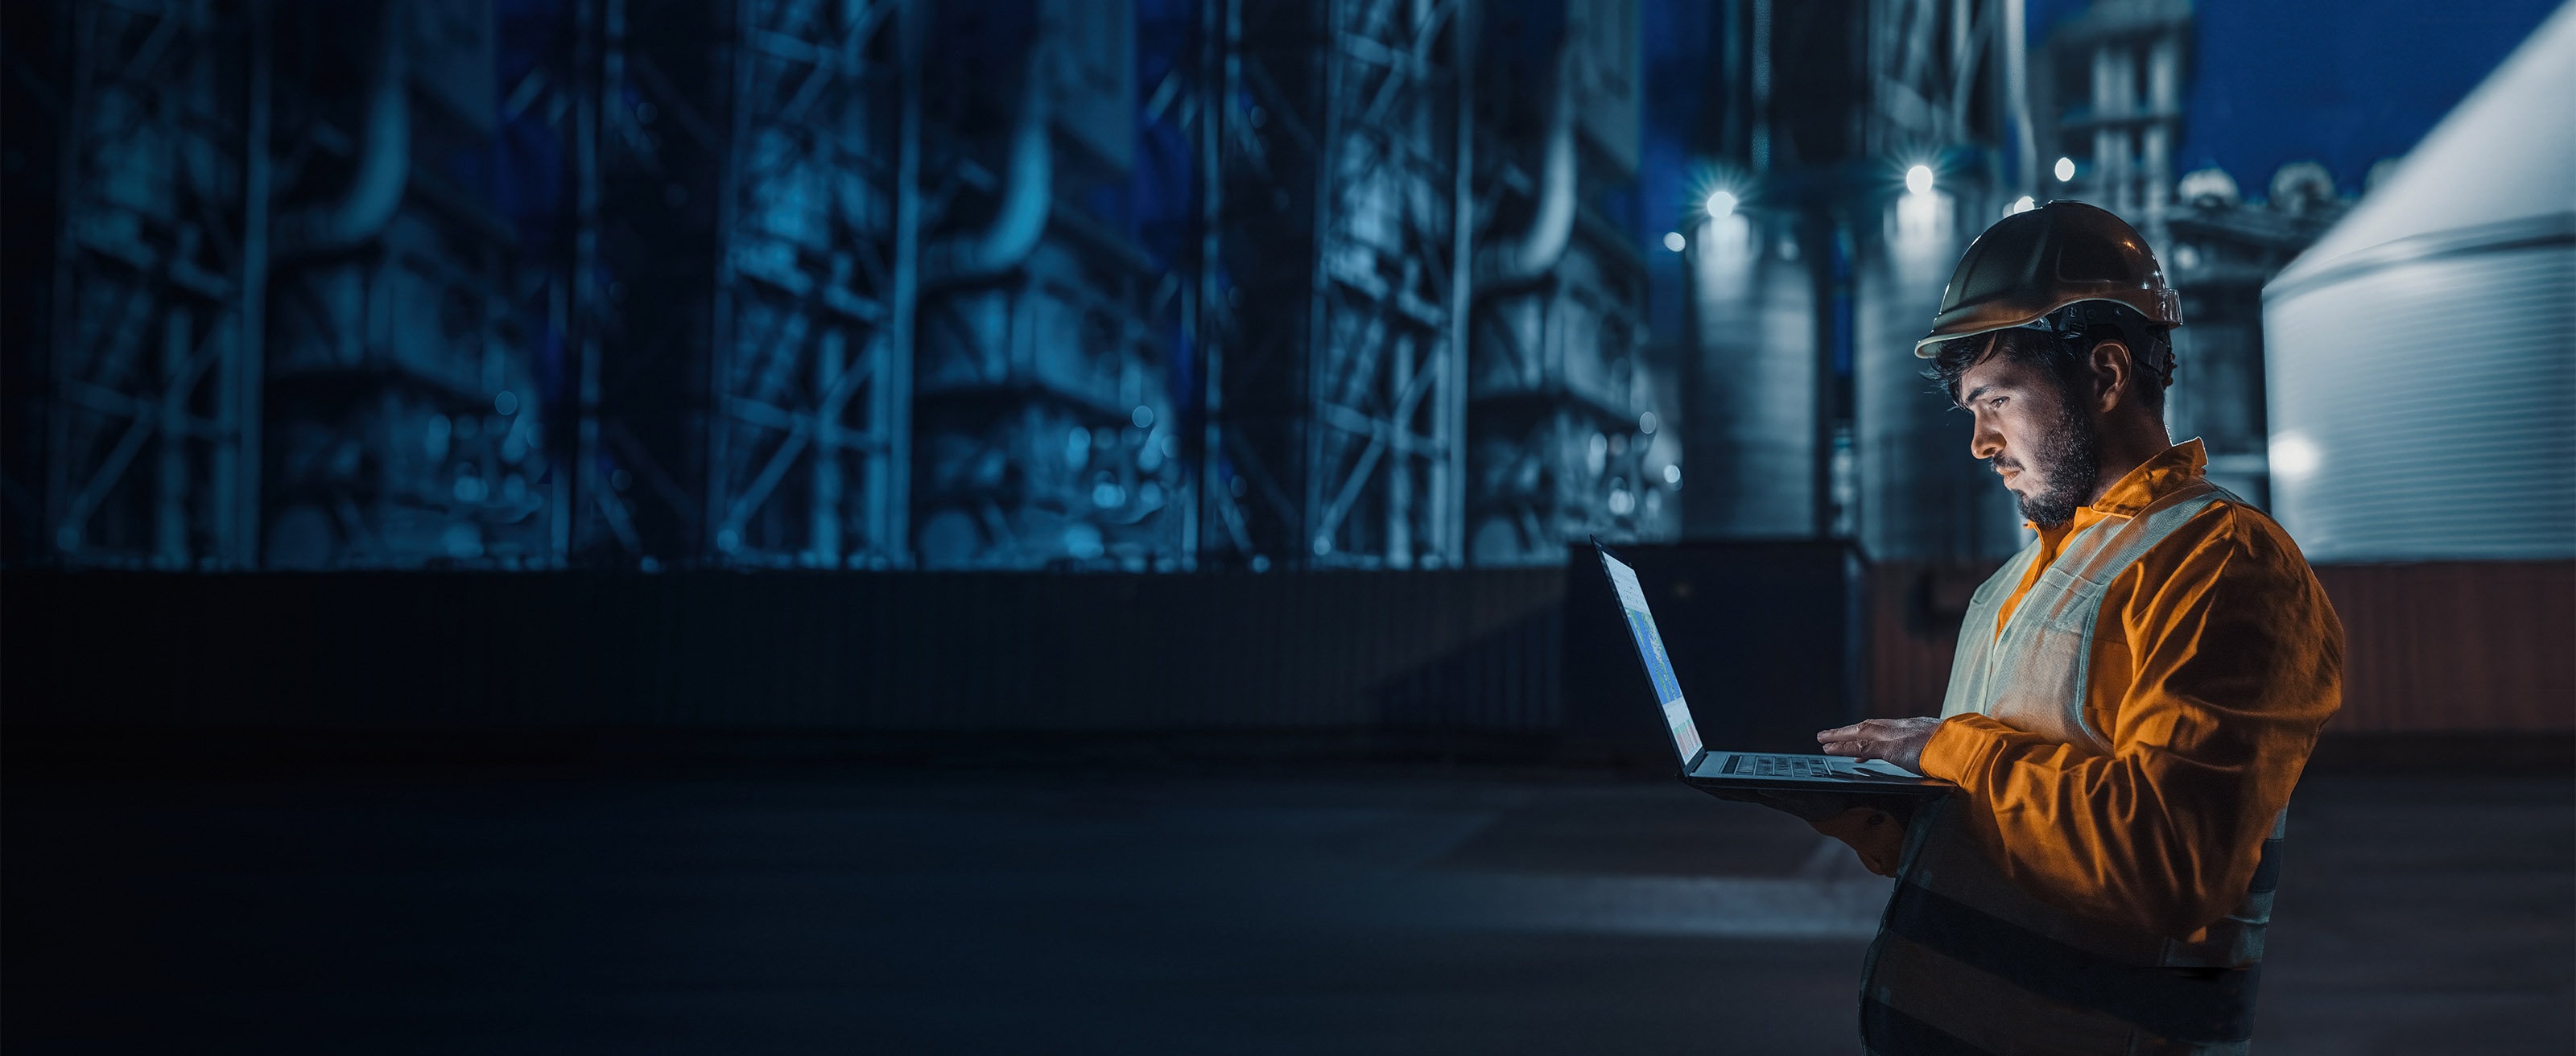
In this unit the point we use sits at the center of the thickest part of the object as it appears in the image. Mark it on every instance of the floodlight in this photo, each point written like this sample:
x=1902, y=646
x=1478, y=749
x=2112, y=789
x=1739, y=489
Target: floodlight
x=2294, y=456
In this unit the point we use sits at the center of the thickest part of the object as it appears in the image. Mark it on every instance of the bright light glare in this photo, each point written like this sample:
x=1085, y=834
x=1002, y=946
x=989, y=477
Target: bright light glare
x=1673, y=241
x=2065, y=169
x=1720, y=204
x=2294, y=456
x=2022, y=204
x=1919, y=179
x=1921, y=221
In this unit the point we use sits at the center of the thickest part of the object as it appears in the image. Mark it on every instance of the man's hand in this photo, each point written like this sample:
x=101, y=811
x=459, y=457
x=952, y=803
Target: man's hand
x=1898, y=741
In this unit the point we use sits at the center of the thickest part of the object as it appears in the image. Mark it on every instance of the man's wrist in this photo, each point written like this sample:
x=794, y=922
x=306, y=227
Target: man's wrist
x=1952, y=751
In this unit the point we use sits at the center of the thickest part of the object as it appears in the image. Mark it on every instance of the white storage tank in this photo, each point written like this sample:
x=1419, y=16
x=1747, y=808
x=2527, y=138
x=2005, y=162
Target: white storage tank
x=2422, y=355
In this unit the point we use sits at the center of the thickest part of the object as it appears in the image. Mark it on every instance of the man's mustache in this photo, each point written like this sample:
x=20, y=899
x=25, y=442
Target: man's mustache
x=2001, y=463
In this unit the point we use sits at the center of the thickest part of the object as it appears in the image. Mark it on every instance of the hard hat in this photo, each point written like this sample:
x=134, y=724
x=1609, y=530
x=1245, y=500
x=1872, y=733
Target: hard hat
x=2037, y=261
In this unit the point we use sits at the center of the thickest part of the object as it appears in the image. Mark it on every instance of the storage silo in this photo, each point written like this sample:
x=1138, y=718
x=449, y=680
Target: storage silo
x=1922, y=495
x=2421, y=360
x=1753, y=444
x=2422, y=355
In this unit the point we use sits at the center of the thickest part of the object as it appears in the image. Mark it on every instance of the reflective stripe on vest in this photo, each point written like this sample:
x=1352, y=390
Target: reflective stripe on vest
x=1967, y=962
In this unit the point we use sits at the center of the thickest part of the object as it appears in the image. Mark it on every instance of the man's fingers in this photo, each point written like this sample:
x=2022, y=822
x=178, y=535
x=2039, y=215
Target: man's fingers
x=1865, y=729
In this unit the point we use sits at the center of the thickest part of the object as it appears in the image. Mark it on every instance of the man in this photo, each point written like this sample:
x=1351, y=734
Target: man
x=2133, y=698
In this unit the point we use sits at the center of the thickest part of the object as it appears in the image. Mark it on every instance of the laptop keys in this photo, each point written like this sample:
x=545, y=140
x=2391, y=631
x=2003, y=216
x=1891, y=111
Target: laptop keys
x=1781, y=766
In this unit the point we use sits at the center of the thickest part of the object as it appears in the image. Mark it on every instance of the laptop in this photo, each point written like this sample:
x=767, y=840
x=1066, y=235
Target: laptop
x=1725, y=771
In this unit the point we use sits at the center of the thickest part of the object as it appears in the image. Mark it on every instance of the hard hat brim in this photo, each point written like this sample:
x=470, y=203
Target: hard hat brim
x=2038, y=261
x=1991, y=316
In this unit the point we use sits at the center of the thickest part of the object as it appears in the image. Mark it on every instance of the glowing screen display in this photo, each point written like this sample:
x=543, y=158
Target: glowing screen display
x=1659, y=666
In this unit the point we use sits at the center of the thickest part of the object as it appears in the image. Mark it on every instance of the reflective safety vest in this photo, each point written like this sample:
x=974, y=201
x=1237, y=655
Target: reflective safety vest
x=1967, y=962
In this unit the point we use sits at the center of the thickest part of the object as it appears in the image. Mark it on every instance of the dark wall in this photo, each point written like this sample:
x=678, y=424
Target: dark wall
x=1764, y=638
x=2469, y=646
x=1762, y=634
x=847, y=651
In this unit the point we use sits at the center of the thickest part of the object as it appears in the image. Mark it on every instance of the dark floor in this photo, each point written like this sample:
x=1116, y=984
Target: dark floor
x=1328, y=910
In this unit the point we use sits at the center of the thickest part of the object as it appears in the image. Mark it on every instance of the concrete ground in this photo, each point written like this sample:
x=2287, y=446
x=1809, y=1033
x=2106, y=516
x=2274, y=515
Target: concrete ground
x=1342, y=909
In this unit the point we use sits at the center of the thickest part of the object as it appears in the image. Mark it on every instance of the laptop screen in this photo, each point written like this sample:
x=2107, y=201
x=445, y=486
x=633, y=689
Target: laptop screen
x=1650, y=646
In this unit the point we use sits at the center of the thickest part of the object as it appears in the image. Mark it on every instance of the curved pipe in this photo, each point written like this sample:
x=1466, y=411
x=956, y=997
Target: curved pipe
x=1028, y=193
x=384, y=160
x=1539, y=248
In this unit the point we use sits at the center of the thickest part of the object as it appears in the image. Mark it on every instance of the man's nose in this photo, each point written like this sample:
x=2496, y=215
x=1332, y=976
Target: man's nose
x=1985, y=441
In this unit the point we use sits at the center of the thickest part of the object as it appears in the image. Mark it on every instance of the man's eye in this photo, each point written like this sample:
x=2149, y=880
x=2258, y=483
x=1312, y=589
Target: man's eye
x=1997, y=401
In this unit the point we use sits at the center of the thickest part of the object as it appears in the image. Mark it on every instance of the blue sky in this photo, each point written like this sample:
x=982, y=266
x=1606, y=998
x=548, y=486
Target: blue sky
x=2345, y=82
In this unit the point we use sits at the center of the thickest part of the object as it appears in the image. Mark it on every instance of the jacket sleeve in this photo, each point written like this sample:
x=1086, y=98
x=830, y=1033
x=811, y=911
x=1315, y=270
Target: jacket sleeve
x=2234, y=660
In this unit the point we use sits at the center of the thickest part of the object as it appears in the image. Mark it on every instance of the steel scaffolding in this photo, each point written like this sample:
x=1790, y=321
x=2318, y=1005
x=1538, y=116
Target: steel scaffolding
x=1336, y=353
x=161, y=260
x=636, y=95
x=735, y=282
x=810, y=376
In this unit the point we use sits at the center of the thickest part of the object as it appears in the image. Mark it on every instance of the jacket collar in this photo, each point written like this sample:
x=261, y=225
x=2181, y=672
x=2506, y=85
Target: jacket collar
x=2154, y=479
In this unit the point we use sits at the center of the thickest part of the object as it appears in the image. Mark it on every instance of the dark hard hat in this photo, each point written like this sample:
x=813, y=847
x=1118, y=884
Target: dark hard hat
x=2040, y=260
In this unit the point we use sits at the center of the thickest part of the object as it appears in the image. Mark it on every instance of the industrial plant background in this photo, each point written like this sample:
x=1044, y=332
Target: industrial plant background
x=1229, y=288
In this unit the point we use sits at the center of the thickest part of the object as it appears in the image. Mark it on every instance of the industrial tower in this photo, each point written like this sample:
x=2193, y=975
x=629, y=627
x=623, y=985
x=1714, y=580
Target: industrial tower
x=1082, y=284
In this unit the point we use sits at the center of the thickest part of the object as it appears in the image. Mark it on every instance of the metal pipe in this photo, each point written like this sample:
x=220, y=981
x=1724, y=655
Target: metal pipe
x=1762, y=85
x=1449, y=472
x=2017, y=94
x=248, y=378
x=384, y=159
x=1313, y=538
x=1028, y=190
x=889, y=484
x=1539, y=248
x=1966, y=58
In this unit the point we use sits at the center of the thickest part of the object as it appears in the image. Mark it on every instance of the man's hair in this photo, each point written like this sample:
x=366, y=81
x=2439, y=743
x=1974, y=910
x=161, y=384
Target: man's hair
x=2065, y=348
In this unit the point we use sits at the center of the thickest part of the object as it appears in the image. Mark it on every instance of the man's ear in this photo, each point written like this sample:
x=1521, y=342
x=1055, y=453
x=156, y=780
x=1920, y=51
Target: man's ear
x=2115, y=373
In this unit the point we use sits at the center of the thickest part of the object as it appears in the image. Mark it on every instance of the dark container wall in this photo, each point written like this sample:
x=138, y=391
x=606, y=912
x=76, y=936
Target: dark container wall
x=781, y=651
x=1764, y=634
x=1764, y=638
x=1767, y=638
x=2456, y=646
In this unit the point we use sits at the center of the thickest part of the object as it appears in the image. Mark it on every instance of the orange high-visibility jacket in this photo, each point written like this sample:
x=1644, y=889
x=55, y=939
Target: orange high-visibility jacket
x=2215, y=661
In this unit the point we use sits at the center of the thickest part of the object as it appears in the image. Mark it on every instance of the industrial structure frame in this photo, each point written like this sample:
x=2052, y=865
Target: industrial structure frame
x=160, y=265
x=815, y=287
x=1351, y=244
x=1318, y=322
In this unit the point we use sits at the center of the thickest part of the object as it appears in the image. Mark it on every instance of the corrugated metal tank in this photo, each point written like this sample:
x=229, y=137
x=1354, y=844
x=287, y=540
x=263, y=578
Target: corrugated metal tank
x=1922, y=496
x=1752, y=443
x=2422, y=355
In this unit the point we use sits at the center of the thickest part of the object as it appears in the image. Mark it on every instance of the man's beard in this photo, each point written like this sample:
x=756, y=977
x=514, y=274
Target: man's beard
x=2069, y=459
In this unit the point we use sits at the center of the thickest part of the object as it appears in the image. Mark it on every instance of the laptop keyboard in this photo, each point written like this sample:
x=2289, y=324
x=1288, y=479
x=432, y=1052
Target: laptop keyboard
x=1780, y=766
